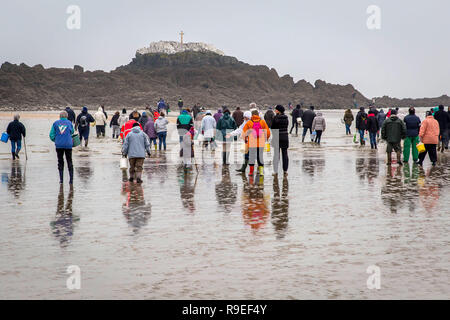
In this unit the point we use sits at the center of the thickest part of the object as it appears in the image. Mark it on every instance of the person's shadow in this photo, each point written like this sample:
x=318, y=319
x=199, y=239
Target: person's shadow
x=63, y=224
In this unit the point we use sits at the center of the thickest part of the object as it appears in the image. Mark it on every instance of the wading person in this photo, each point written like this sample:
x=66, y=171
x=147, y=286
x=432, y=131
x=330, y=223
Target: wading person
x=61, y=134
x=143, y=119
x=161, y=130
x=16, y=130
x=381, y=117
x=348, y=120
x=393, y=131
x=361, y=124
x=150, y=131
x=257, y=132
x=412, y=123
x=307, y=119
x=180, y=104
x=208, y=128
x=226, y=124
x=443, y=119
x=238, y=133
x=184, y=124
x=187, y=147
x=123, y=118
x=135, y=146
x=114, y=125
x=70, y=115
x=82, y=125
x=127, y=127
x=280, y=139
x=268, y=116
x=319, y=125
x=238, y=116
x=296, y=113
x=218, y=115
x=100, y=122
x=372, y=128
x=429, y=135
x=135, y=115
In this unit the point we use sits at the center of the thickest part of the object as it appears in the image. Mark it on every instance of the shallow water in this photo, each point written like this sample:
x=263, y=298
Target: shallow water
x=218, y=235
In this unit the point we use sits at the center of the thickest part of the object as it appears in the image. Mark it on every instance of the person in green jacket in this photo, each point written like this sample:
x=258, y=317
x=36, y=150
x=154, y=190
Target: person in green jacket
x=184, y=124
x=393, y=131
x=225, y=125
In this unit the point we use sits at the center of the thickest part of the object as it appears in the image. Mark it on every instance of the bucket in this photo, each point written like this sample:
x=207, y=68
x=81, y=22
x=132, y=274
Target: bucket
x=76, y=140
x=123, y=163
x=420, y=147
x=267, y=147
x=5, y=137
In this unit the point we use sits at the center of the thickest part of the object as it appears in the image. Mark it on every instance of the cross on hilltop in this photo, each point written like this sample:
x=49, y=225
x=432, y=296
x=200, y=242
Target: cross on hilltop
x=181, y=34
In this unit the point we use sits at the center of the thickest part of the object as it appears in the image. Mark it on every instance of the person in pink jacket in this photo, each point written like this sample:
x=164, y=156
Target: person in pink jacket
x=429, y=136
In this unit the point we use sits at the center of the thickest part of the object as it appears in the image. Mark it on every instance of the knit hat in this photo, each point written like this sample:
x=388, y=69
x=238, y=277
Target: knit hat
x=247, y=114
x=280, y=108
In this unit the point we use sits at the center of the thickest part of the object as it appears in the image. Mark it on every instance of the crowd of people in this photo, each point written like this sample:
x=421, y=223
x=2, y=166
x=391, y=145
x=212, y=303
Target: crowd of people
x=259, y=130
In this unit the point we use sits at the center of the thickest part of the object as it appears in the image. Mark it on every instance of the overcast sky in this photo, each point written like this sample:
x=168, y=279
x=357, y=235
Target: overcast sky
x=328, y=40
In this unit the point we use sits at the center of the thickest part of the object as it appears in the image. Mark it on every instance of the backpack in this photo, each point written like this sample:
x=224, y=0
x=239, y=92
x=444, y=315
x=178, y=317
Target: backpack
x=256, y=129
x=83, y=121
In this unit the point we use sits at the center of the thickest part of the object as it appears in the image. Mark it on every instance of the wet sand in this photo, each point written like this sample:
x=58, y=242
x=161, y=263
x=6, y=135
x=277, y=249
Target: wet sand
x=218, y=234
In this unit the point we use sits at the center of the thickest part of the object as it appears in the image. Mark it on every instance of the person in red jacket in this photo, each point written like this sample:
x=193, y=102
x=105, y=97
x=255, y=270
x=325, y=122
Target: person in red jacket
x=126, y=128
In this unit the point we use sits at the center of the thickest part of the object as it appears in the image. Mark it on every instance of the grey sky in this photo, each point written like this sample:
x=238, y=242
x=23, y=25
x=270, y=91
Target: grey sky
x=328, y=40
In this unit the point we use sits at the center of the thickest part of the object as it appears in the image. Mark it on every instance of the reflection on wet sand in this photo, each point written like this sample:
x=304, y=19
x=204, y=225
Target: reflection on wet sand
x=187, y=181
x=367, y=168
x=16, y=181
x=313, y=166
x=226, y=191
x=280, y=207
x=392, y=192
x=135, y=209
x=429, y=188
x=84, y=171
x=62, y=225
x=254, y=202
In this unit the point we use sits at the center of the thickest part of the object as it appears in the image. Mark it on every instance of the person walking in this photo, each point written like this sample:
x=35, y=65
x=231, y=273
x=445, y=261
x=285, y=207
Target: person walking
x=150, y=131
x=184, y=124
x=238, y=116
x=123, y=118
x=443, y=118
x=412, y=123
x=126, y=129
x=180, y=104
x=16, y=130
x=319, y=125
x=195, y=110
x=372, y=128
x=187, y=147
x=307, y=119
x=135, y=115
x=61, y=134
x=162, y=107
x=82, y=124
x=268, y=116
x=238, y=133
x=381, y=117
x=100, y=122
x=257, y=132
x=393, y=131
x=218, y=115
x=134, y=147
x=280, y=139
x=70, y=115
x=114, y=125
x=348, y=120
x=429, y=136
x=361, y=124
x=296, y=113
x=225, y=125
x=143, y=119
x=208, y=128
x=161, y=130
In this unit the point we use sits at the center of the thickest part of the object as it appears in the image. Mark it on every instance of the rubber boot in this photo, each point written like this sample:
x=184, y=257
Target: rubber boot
x=71, y=176
x=303, y=138
x=252, y=169
x=244, y=166
x=389, y=159
x=156, y=147
x=261, y=170
x=138, y=177
x=399, y=158
x=61, y=176
x=17, y=153
x=13, y=155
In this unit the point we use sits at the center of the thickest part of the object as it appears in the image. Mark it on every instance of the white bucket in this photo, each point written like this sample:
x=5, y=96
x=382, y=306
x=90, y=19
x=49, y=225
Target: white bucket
x=123, y=163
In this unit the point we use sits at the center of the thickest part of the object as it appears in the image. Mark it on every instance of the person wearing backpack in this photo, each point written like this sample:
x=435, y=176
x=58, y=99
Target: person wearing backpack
x=373, y=127
x=82, y=125
x=61, y=134
x=361, y=124
x=114, y=124
x=256, y=132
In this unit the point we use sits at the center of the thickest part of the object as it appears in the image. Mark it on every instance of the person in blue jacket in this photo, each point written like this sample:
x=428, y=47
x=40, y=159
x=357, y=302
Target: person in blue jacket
x=61, y=135
x=16, y=130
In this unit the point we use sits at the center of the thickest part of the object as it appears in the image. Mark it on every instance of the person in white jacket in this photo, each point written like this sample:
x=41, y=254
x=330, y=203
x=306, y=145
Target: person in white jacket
x=238, y=132
x=209, y=130
x=100, y=122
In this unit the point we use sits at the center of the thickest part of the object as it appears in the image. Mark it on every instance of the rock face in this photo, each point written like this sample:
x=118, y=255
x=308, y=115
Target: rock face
x=171, y=47
x=203, y=77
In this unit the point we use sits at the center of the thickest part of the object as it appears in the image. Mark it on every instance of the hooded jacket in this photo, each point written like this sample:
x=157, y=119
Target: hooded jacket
x=86, y=116
x=319, y=123
x=99, y=117
x=393, y=130
x=225, y=125
x=114, y=120
x=429, y=131
x=381, y=117
x=238, y=117
x=308, y=118
x=61, y=134
x=127, y=127
x=372, y=123
x=161, y=124
x=208, y=126
x=348, y=117
x=250, y=137
x=143, y=119
x=184, y=122
x=149, y=129
x=136, y=144
x=443, y=118
x=218, y=115
x=122, y=119
x=361, y=120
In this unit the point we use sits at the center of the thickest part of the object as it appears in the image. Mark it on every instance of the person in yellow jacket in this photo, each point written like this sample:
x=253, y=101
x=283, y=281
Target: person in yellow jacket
x=256, y=133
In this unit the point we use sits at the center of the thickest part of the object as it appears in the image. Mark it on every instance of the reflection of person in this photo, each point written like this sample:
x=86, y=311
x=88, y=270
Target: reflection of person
x=16, y=182
x=393, y=193
x=226, y=191
x=135, y=210
x=187, y=190
x=429, y=190
x=254, y=203
x=280, y=207
x=62, y=226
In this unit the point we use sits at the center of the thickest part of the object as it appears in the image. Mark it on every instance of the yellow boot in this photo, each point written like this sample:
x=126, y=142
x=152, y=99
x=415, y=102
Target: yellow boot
x=261, y=170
